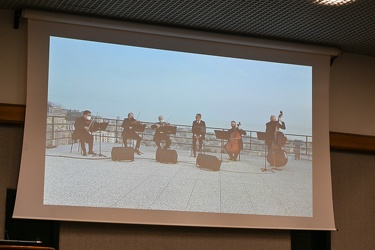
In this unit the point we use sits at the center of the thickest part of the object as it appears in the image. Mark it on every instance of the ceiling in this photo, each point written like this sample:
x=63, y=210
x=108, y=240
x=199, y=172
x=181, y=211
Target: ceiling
x=349, y=27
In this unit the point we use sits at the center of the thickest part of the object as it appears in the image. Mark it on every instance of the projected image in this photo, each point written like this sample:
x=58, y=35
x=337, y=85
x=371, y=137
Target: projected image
x=140, y=128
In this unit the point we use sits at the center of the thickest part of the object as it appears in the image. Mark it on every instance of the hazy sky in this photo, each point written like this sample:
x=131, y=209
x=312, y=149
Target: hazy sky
x=113, y=80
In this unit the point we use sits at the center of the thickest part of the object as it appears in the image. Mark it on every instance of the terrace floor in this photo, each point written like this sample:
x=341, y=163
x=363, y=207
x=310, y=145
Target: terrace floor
x=239, y=187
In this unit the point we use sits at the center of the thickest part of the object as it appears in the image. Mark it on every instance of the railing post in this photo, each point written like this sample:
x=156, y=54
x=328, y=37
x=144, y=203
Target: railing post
x=116, y=131
x=250, y=139
x=53, y=131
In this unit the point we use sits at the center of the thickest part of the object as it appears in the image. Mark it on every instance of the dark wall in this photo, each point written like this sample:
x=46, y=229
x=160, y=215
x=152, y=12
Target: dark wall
x=353, y=177
x=10, y=158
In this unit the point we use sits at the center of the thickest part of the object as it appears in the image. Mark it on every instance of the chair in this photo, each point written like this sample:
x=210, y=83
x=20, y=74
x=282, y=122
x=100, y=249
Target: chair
x=71, y=130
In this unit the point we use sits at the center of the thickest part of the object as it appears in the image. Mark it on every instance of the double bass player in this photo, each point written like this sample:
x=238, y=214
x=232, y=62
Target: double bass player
x=272, y=127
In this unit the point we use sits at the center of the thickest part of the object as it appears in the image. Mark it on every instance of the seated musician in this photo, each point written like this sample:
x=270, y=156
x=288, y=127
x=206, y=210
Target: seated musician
x=129, y=132
x=161, y=133
x=81, y=132
x=199, y=132
x=235, y=128
x=272, y=127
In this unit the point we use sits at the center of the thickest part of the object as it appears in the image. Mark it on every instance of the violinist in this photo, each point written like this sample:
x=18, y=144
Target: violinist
x=272, y=127
x=129, y=132
x=161, y=133
x=81, y=131
x=235, y=143
x=199, y=132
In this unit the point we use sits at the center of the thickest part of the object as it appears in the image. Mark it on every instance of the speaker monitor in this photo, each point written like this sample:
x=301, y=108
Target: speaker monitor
x=166, y=156
x=122, y=154
x=208, y=162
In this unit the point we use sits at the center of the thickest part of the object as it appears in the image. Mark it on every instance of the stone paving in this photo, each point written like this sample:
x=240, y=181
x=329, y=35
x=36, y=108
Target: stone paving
x=239, y=187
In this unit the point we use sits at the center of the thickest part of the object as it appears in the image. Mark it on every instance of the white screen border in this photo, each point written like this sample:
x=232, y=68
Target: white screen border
x=41, y=26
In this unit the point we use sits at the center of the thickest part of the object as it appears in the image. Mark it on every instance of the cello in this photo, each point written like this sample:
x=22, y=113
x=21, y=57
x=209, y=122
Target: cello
x=233, y=145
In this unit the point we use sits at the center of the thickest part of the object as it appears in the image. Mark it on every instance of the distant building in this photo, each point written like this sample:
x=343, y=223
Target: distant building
x=57, y=126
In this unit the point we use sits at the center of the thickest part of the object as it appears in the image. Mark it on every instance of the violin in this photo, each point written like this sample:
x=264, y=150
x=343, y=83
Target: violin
x=138, y=126
x=134, y=121
x=233, y=146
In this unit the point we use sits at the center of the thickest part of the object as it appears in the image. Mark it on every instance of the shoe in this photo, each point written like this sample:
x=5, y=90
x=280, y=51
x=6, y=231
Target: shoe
x=91, y=153
x=137, y=151
x=84, y=154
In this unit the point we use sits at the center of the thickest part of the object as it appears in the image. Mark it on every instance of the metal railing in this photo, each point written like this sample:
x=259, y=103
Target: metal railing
x=59, y=132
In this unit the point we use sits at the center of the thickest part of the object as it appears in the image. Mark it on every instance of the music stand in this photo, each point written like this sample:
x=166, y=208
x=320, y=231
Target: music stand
x=262, y=136
x=170, y=130
x=222, y=135
x=102, y=126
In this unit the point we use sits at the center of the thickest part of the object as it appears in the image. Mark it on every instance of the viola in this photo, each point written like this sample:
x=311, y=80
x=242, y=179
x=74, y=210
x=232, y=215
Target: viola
x=233, y=146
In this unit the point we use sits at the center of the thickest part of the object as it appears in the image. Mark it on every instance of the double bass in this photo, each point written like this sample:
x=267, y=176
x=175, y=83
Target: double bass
x=277, y=156
x=233, y=145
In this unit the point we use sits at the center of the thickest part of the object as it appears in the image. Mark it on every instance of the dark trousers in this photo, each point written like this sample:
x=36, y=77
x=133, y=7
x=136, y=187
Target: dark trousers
x=164, y=138
x=200, y=139
x=89, y=139
x=133, y=136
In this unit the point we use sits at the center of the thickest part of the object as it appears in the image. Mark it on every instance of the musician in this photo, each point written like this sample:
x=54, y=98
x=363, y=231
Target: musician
x=129, y=132
x=81, y=132
x=272, y=127
x=199, y=132
x=236, y=128
x=161, y=134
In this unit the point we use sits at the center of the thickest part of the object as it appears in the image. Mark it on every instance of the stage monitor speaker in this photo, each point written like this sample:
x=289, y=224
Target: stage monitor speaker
x=29, y=230
x=166, y=156
x=122, y=154
x=208, y=162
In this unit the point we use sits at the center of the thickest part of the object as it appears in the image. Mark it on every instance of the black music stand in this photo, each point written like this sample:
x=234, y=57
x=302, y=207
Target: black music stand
x=170, y=130
x=262, y=136
x=102, y=126
x=222, y=135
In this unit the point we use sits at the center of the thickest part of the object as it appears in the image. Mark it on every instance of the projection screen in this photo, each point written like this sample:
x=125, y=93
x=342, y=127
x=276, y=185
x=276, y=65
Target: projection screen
x=165, y=81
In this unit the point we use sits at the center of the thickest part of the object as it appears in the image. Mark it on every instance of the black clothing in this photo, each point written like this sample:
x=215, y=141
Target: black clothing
x=272, y=127
x=271, y=130
x=128, y=132
x=199, y=130
x=240, y=142
x=161, y=135
x=81, y=133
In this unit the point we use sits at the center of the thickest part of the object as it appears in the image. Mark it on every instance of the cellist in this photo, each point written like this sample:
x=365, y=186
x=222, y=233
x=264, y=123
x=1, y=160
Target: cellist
x=235, y=143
